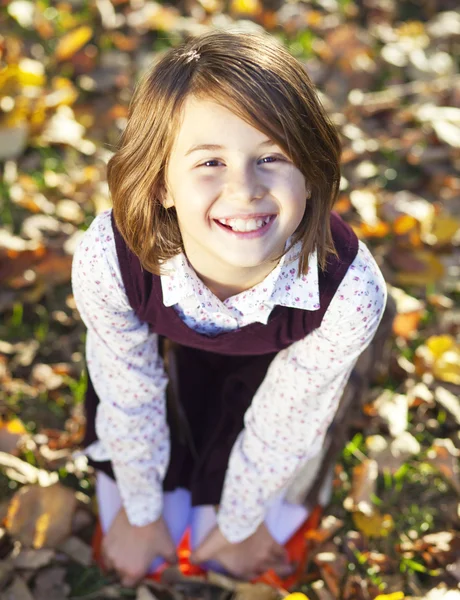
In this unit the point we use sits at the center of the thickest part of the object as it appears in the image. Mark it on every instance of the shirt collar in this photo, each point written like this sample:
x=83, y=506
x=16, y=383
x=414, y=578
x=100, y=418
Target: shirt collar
x=281, y=287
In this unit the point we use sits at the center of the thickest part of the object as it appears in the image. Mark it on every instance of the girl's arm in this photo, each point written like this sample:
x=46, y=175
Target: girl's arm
x=291, y=411
x=127, y=374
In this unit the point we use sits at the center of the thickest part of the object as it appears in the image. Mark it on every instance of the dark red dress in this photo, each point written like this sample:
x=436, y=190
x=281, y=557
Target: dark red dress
x=217, y=376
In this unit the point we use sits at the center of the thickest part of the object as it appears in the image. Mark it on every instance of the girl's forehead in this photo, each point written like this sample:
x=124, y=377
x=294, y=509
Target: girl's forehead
x=205, y=120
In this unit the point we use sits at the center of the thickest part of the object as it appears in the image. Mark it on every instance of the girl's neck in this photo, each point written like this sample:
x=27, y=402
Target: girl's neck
x=230, y=283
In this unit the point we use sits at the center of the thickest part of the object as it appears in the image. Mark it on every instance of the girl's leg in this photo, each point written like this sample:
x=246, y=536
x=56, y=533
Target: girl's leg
x=176, y=510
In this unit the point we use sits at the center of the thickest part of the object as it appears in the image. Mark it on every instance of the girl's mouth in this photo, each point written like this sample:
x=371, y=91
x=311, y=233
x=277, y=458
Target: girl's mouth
x=247, y=228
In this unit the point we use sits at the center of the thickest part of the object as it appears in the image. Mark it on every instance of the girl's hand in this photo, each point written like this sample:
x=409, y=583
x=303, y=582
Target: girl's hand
x=129, y=550
x=247, y=559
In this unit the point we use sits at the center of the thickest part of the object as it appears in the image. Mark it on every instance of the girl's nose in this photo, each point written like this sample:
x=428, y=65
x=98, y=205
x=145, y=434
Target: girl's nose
x=245, y=186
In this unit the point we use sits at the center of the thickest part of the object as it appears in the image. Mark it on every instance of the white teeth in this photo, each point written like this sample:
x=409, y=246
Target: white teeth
x=243, y=225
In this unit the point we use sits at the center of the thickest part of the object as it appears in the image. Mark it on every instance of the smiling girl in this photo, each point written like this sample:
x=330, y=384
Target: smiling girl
x=222, y=270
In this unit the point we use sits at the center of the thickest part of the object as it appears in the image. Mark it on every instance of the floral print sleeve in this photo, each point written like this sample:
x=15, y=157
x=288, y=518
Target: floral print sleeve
x=127, y=374
x=290, y=413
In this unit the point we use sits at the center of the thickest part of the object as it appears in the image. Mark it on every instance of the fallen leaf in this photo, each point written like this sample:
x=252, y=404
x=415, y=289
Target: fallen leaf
x=245, y=7
x=41, y=516
x=363, y=487
x=393, y=409
x=444, y=456
x=33, y=559
x=392, y=454
x=443, y=230
x=449, y=402
x=420, y=267
x=321, y=591
x=143, y=593
x=18, y=590
x=11, y=433
x=406, y=325
x=440, y=355
x=73, y=41
x=77, y=550
x=375, y=525
x=50, y=584
x=328, y=528
x=332, y=566
x=255, y=591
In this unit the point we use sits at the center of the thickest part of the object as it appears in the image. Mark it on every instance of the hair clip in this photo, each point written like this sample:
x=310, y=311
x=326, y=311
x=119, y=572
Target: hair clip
x=191, y=55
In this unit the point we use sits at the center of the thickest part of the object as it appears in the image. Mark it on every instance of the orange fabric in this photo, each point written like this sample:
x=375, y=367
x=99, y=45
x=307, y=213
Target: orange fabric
x=296, y=546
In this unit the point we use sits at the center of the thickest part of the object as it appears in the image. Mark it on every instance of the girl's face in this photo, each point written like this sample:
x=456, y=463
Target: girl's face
x=238, y=197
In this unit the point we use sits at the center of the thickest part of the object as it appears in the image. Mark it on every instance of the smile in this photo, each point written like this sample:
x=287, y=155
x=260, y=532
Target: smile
x=246, y=229
x=245, y=225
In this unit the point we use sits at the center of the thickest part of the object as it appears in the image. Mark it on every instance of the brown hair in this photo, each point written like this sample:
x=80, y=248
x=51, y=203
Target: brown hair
x=263, y=84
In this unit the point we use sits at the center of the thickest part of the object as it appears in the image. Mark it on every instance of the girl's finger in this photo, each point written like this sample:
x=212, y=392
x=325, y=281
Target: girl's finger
x=170, y=557
x=279, y=554
x=107, y=564
x=283, y=570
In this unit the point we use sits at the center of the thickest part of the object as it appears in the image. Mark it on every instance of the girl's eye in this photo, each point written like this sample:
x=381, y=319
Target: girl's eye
x=266, y=160
x=211, y=163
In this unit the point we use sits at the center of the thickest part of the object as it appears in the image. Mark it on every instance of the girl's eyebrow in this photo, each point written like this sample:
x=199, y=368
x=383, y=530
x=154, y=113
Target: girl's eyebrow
x=211, y=147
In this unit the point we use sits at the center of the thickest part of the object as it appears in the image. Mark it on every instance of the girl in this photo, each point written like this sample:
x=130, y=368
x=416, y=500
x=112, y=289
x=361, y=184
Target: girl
x=222, y=258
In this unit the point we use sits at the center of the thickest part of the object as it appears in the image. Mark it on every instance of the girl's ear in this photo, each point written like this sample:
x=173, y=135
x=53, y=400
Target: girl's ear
x=166, y=198
x=308, y=192
x=167, y=201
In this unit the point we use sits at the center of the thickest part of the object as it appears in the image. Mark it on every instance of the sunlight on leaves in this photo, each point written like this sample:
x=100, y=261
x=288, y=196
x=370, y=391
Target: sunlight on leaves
x=72, y=42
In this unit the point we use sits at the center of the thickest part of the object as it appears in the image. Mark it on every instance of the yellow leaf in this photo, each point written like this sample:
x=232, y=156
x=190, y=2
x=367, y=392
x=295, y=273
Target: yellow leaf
x=441, y=355
x=393, y=596
x=376, y=525
x=41, y=529
x=444, y=228
x=404, y=224
x=31, y=73
x=14, y=426
x=247, y=7
x=432, y=270
x=438, y=344
x=13, y=509
x=72, y=42
x=447, y=367
x=296, y=596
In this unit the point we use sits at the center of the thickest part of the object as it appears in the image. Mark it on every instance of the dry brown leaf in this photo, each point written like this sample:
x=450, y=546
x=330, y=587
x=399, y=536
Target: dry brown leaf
x=420, y=267
x=393, y=409
x=77, y=550
x=328, y=528
x=321, y=591
x=380, y=229
x=444, y=456
x=449, y=402
x=392, y=454
x=33, y=559
x=18, y=590
x=332, y=566
x=41, y=516
x=406, y=325
x=143, y=593
x=255, y=591
x=363, y=487
x=50, y=584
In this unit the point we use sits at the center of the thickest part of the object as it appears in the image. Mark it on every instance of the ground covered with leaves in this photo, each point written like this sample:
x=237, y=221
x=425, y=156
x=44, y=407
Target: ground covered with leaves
x=386, y=71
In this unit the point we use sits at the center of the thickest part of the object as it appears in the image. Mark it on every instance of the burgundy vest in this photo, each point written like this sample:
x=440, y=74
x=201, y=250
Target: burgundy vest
x=219, y=375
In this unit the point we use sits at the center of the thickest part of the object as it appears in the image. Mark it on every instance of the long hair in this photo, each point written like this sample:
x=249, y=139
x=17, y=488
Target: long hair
x=254, y=76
